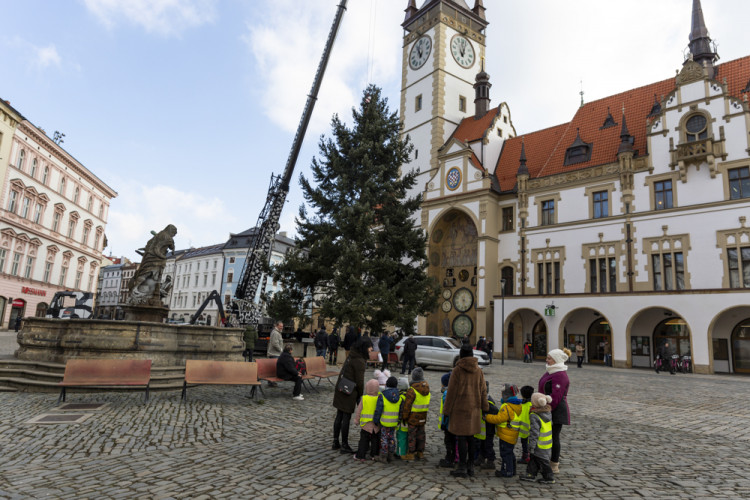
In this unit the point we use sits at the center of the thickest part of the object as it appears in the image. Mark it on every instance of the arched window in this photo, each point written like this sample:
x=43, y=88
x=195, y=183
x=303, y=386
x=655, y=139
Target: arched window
x=75, y=194
x=599, y=333
x=33, y=168
x=539, y=340
x=62, y=186
x=696, y=128
x=675, y=331
x=741, y=346
x=19, y=163
x=45, y=175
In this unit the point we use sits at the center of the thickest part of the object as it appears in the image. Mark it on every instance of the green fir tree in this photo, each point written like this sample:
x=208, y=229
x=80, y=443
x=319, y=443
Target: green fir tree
x=359, y=249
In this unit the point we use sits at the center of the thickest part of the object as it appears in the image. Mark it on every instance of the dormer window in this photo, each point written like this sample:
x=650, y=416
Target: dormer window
x=696, y=128
x=578, y=152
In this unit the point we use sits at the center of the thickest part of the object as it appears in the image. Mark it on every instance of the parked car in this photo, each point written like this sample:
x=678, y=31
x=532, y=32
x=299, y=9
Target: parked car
x=438, y=351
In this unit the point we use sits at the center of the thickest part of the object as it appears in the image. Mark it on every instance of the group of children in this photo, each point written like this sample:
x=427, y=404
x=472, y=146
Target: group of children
x=393, y=413
x=392, y=416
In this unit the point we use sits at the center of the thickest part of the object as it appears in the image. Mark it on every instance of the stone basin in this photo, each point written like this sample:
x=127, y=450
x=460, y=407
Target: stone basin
x=57, y=340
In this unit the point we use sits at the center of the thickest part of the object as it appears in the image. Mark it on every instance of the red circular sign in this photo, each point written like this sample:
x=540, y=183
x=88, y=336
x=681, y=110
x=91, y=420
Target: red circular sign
x=18, y=303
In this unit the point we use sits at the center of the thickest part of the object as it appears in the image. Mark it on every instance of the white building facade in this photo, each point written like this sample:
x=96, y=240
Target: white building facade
x=632, y=224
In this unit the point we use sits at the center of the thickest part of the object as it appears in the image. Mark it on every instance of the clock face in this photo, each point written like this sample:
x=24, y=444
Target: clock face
x=447, y=306
x=462, y=325
x=463, y=299
x=446, y=294
x=462, y=51
x=420, y=51
x=463, y=275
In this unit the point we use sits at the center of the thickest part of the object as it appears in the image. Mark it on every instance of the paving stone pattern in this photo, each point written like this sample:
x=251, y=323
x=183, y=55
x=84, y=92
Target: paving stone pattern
x=634, y=434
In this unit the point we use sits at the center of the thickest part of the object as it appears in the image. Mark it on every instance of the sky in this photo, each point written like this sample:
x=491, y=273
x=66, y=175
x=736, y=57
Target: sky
x=186, y=107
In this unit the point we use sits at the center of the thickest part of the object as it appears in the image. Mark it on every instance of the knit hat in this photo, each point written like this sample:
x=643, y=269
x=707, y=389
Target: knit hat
x=417, y=375
x=403, y=383
x=558, y=356
x=509, y=391
x=539, y=400
x=371, y=387
x=466, y=351
x=445, y=379
x=527, y=391
x=391, y=382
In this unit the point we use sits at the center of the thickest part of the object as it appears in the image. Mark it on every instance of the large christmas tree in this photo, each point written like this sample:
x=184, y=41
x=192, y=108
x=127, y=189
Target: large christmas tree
x=358, y=253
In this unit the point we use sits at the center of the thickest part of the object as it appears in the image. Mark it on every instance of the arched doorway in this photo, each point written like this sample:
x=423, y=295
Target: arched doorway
x=539, y=340
x=18, y=307
x=599, y=341
x=741, y=346
x=41, y=310
x=675, y=331
x=453, y=262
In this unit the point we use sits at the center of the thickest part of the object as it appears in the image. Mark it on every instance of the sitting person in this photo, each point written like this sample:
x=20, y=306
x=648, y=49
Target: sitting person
x=286, y=369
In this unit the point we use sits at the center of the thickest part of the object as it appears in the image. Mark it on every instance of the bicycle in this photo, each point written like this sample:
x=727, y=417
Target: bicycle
x=658, y=363
x=674, y=364
x=685, y=364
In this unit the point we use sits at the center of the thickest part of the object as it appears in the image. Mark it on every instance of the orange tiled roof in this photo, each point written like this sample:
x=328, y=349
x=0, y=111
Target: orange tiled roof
x=471, y=129
x=545, y=149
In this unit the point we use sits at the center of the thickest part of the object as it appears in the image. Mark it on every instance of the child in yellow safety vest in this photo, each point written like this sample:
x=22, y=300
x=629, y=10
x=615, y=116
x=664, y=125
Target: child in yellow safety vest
x=369, y=434
x=484, y=442
x=387, y=417
x=540, y=439
x=414, y=411
x=507, y=424
x=523, y=429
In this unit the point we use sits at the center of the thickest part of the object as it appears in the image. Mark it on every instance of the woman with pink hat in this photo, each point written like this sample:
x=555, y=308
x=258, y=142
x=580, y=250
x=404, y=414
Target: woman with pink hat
x=555, y=383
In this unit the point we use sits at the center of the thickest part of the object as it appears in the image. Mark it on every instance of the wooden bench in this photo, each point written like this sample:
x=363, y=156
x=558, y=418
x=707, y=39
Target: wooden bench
x=267, y=372
x=316, y=367
x=201, y=371
x=373, y=361
x=106, y=373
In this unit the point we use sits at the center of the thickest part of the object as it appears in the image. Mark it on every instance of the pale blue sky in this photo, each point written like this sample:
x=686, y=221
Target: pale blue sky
x=185, y=107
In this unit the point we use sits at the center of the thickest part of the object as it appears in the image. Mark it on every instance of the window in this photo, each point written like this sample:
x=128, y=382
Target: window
x=213, y=279
x=45, y=175
x=38, y=213
x=19, y=163
x=507, y=274
x=601, y=204
x=507, y=218
x=205, y=279
x=548, y=212
x=71, y=227
x=63, y=273
x=89, y=203
x=195, y=281
x=85, y=239
x=549, y=270
x=739, y=183
x=25, y=207
x=462, y=104
x=418, y=103
x=696, y=128
x=215, y=263
x=33, y=168
x=101, y=210
x=603, y=275
x=15, y=264
x=3, y=254
x=62, y=186
x=29, y=267
x=230, y=276
x=739, y=267
x=78, y=279
x=75, y=196
x=47, y=271
x=12, y=202
x=231, y=260
x=96, y=240
x=662, y=195
x=668, y=271
x=56, y=221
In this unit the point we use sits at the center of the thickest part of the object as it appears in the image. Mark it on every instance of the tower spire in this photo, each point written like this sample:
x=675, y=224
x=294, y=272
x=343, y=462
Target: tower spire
x=482, y=93
x=702, y=48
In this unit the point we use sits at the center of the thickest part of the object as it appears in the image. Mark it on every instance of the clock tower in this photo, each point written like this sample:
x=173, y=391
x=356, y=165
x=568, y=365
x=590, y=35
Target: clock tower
x=444, y=42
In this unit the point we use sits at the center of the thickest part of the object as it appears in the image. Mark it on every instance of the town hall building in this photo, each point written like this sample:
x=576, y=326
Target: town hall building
x=624, y=228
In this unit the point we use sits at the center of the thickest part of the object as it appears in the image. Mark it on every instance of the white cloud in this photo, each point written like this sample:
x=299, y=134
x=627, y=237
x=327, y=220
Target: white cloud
x=47, y=56
x=139, y=209
x=162, y=17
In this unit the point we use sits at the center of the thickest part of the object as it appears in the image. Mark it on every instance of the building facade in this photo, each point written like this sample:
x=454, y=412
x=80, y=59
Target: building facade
x=196, y=273
x=623, y=229
x=108, y=293
x=53, y=215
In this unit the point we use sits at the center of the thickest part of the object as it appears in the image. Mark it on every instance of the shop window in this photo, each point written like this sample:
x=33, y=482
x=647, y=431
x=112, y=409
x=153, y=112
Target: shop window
x=640, y=346
x=675, y=331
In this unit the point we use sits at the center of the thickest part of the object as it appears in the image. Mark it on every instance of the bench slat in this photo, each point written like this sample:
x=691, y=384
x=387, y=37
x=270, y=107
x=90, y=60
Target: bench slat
x=106, y=372
x=198, y=371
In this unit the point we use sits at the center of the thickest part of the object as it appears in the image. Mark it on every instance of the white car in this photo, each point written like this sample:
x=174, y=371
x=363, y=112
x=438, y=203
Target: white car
x=438, y=351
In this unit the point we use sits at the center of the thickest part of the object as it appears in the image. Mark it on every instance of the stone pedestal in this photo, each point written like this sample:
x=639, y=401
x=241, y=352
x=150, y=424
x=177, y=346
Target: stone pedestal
x=152, y=314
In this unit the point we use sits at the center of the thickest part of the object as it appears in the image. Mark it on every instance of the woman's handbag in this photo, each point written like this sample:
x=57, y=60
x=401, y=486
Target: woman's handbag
x=344, y=384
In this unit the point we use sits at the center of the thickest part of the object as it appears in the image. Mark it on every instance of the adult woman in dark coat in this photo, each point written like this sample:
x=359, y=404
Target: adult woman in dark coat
x=345, y=404
x=555, y=383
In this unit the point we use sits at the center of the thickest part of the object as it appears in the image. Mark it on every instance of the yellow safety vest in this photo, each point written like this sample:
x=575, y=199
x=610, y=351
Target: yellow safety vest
x=389, y=418
x=421, y=403
x=514, y=424
x=545, y=435
x=482, y=435
x=368, y=409
x=524, y=422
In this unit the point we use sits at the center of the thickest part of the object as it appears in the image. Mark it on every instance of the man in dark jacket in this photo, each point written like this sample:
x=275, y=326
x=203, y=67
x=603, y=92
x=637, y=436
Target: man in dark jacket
x=333, y=346
x=349, y=338
x=321, y=342
x=286, y=369
x=384, y=344
x=409, y=357
x=250, y=336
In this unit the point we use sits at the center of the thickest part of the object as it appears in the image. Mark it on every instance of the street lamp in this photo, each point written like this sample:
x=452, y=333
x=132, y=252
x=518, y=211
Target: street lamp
x=502, y=325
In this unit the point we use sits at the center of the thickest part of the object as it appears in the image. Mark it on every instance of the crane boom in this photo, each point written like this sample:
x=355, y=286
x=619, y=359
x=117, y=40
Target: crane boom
x=268, y=221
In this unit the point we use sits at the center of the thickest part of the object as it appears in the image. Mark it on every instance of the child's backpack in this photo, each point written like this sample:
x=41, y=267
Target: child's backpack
x=301, y=366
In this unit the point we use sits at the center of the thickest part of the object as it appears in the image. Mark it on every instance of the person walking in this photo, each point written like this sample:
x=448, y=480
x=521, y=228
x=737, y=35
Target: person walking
x=607, y=353
x=409, y=357
x=349, y=338
x=249, y=336
x=579, y=353
x=345, y=404
x=555, y=383
x=385, y=348
x=275, y=341
x=527, y=352
x=321, y=342
x=465, y=401
x=333, y=347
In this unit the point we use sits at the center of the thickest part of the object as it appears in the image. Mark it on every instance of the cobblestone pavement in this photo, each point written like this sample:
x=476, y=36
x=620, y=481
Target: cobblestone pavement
x=634, y=434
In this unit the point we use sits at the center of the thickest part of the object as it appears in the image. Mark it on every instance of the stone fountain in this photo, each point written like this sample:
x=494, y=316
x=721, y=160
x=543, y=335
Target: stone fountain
x=142, y=335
